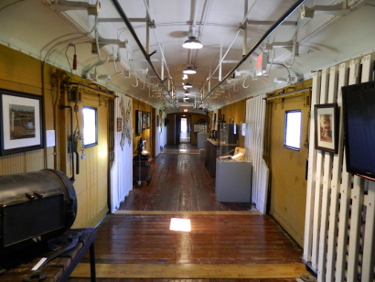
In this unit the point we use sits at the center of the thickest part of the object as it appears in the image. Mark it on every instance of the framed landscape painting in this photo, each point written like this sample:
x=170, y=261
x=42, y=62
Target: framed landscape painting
x=21, y=127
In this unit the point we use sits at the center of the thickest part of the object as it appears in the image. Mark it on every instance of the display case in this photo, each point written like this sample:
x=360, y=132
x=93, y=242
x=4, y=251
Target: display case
x=233, y=169
x=201, y=138
x=227, y=139
x=233, y=181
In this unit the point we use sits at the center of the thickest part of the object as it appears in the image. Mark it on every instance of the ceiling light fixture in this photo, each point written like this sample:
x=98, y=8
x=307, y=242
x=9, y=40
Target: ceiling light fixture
x=188, y=85
x=189, y=70
x=192, y=43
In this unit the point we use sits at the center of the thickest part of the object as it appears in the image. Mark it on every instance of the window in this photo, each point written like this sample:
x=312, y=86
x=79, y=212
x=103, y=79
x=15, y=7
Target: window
x=292, y=129
x=90, y=126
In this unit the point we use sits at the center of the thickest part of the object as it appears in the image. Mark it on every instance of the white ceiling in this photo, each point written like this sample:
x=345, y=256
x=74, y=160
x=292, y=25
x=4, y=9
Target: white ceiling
x=50, y=30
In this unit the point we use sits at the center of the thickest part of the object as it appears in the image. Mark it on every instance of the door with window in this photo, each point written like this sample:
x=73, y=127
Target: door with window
x=288, y=161
x=84, y=145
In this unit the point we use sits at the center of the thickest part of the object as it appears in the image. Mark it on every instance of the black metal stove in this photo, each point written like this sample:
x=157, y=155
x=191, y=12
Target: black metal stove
x=34, y=207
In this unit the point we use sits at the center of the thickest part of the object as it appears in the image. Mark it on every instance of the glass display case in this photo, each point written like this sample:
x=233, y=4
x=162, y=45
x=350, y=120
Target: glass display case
x=233, y=169
x=227, y=140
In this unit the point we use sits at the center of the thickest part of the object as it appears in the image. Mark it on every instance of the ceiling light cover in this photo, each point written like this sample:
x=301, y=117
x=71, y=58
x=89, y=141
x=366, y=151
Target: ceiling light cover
x=192, y=43
x=189, y=70
x=188, y=85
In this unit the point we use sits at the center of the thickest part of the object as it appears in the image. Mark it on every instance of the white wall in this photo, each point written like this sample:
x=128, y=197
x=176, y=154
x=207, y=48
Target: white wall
x=122, y=169
x=161, y=133
x=254, y=139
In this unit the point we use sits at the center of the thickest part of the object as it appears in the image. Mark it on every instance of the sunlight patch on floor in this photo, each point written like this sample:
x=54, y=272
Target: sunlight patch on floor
x=180, y=224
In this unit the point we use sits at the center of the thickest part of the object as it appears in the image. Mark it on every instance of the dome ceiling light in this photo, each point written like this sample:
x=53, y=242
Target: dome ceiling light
x=192, y=43
x=188, y=85
x=189, y=70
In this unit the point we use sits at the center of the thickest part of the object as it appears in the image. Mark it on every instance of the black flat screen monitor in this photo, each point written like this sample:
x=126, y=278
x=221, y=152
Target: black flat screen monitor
x=359, y=125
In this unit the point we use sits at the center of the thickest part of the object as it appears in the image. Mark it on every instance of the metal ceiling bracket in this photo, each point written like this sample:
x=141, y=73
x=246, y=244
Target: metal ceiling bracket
x=122, y=14
x=289, y=12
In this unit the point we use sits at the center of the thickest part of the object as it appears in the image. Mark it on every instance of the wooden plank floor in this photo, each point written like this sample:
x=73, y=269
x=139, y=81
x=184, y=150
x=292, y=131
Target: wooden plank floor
x=227, y=241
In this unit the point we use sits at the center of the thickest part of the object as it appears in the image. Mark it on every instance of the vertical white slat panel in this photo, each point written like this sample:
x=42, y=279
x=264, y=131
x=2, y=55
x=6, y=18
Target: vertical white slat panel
x=262, y=172
x=356, y=207
x=248, y=136
x=319, y=181
x=355, y=228
x=367, y=68
x=345, y=192
x=253, y=150
x=310, y=195
x=335, y=184
x=326, y=192
x=255, y=118
x=122, y=169
x=369, y=233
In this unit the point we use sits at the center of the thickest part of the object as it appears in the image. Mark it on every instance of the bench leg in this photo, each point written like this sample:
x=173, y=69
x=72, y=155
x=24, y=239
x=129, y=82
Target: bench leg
x=92, y=263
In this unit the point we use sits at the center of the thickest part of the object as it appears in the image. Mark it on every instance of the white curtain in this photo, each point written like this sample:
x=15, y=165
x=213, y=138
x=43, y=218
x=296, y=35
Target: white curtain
x=254, y=140
x=122, y=168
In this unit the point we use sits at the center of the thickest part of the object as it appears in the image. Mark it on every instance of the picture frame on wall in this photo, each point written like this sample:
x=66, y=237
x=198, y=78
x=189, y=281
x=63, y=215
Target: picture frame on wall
x=144, y=120
x=326, y=127
x=139, y=120
x=21, y=126
x=119, y=124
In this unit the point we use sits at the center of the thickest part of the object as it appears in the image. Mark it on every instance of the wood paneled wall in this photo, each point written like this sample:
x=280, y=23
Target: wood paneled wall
x=146, y=134
x=20, y=72
x=238, y=112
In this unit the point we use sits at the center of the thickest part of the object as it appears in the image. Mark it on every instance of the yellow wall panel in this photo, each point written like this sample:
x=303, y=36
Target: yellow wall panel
x=20, y=72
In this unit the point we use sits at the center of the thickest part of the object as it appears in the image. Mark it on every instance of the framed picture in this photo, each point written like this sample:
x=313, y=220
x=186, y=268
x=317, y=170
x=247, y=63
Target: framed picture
x=214, y=121
x=139, y=120
x=119, y=124
x=326, y=127
x=144, y=120
x=222, y=119
x=21, y=126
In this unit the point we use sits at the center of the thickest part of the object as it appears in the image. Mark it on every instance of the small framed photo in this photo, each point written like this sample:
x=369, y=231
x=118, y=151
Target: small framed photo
x=139, y=120
x=119, y=124
x=144, y=120
x=326, y=127
x=21, y=126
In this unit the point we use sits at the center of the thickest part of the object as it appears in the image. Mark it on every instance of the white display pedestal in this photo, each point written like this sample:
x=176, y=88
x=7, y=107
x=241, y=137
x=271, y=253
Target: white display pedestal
x=201, y=138
x=233, y=181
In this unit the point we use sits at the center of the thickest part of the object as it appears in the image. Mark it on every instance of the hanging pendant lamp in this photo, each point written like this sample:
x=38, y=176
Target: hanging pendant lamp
x=192, y=43
x=189, y=70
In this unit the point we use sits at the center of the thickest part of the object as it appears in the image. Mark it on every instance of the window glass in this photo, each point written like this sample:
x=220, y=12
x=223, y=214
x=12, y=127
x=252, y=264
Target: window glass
x=90, y=127
x=292, y=129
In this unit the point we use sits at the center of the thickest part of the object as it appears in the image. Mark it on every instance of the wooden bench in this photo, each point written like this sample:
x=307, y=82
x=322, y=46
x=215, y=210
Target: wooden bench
x=60, y=267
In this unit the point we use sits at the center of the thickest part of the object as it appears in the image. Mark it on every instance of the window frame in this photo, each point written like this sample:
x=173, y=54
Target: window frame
x=286, y=131
x=95, y=123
